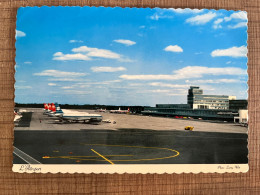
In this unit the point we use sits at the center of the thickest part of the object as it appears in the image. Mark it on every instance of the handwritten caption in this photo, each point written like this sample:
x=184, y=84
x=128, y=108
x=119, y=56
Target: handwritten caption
x=30, y=168
x=228, y=167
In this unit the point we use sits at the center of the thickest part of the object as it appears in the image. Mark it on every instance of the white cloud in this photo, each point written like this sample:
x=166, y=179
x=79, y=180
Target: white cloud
x=104, y=82
x=67, y=87
x=160, y=91
x=187, y=11
x=66, y=79
x=22, y=87
x=27, y=62
x=95, y=52
x=57, y=73
x=157, y=16
x=189, y=72
x=76, y=92
x=147, y=77
x=136, y=84
x=19, y=33
x=88, y=84
x=166, y=14
x=199, y=71
x=173, y=48
x=88, y=53
x=238, y=16
x=231, y=52
x=125, y=42
x=142, y=26
x=238, y=25
x=76, y=41
x=177, y=94
x=217, y=23
x=214, y=81
x=165, y=92
x=57, y=54
x=201, y=19
x=52, y=84
x=228, y=62
x=77, y=56
x=242, y=15
x=168, y=85
x=107, y=69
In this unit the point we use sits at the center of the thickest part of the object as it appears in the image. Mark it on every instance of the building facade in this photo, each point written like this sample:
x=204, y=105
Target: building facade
x=197, y=100
x=238, y=105
x=209, y=107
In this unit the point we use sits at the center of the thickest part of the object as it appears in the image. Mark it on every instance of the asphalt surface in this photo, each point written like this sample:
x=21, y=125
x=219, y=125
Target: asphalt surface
x=34, y=119
x=25, y=120
x=129, y=146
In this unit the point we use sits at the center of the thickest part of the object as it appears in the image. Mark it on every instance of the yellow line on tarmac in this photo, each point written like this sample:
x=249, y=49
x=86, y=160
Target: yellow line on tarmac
x=177, y=153
x=102, y=157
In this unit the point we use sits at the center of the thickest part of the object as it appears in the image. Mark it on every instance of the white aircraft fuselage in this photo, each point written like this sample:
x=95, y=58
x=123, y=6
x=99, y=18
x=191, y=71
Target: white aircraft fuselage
x=69, y=115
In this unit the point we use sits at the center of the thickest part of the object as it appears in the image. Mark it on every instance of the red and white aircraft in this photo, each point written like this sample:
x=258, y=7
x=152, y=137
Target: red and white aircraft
x=71, y=115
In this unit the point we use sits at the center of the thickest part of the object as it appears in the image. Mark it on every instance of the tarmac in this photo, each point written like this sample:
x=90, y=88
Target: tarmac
x=130, y=147
x=39, y=121
x=134, y=139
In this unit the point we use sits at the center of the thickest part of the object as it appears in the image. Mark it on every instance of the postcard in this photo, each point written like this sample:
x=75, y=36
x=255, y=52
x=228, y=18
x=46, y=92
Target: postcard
x=130, y=90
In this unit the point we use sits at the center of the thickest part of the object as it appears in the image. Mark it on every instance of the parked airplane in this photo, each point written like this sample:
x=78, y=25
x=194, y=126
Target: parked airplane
x=80, y=116
x=101, y=110
x=56, y=111
x=17, y=117
x=72, y=115
x=47, y=108
x=119, y=111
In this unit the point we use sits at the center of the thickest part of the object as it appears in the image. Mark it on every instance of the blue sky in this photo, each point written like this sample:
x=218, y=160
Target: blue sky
x=130, y=56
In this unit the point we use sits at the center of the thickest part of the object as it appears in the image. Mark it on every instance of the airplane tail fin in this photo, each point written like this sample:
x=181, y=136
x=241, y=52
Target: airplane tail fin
x=57, y=106
x=49, y=106
x=53, y=107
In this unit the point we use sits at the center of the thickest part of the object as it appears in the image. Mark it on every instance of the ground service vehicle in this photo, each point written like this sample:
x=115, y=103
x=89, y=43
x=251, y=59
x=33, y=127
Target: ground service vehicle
x=189, y=128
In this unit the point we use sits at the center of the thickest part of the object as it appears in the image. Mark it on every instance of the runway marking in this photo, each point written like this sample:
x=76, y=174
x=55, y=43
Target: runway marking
x=25, y=157
x=102, y=157
x=177, y=153
x=81, y=157
x=90, y=158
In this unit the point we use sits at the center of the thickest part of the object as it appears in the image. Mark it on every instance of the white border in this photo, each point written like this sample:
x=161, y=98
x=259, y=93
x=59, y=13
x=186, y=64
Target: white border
x=143, y=168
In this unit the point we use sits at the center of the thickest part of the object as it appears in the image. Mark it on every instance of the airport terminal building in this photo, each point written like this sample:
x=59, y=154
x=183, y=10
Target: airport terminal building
x=199, y=105
x=197, y=100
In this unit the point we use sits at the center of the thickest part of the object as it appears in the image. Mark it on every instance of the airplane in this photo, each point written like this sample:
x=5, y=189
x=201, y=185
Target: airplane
x=52, y=109
x=101, y=110
x=119, y=111
x=47, y=108
x=80, y=116
x=72, y=115
x=55, y=112
x=16, y=117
